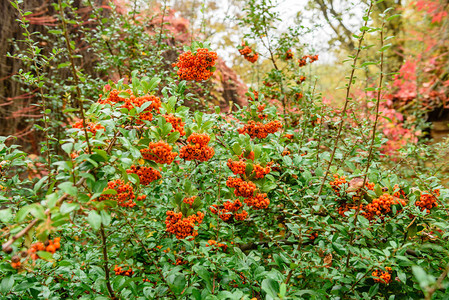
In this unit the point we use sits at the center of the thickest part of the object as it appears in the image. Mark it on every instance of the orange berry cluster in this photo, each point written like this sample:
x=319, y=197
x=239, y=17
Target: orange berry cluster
x=237, y=167
x=248, y=53
x=255, y=96
x=427, y=200
x=197, y=149
x=183, y=227
x=233, y=206
x=159, y=152
x=92, y=127
x=213, y=244
x=242, y=188
x=380, y=206
x=336, y=184
x=400, y=193
x=189, y=200
x=260, y=201
x=289, y=54
x=241, y=216
x=230, y=210
x=196, y=66
x=299, y=96
x=125, y=193
x=303, y=61
x=146, y=174
x=381, y=276
x=261, y=115
x=301, y=79
x=177, y=124
x=113, y=97
x=289, y=136
x=285, y=152
x=119, y=271
x=49, y=246
x=259, y=130
x=261, y=171
x=15, y=262
x=133, y=102
x=139, y=101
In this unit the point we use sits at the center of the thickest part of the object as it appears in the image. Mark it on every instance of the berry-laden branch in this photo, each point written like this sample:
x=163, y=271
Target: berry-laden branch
x=74, y=73
x=348, y=89
x=373, y=137
x=7, y=245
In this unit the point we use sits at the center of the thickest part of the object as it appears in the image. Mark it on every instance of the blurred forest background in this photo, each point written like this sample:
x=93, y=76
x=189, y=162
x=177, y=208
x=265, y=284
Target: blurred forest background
x=109, y=41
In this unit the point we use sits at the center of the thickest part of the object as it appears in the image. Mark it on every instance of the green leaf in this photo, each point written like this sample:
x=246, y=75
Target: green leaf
x=124, y=95
x=68, y=188
x=7, y=284
x=5, y=215
x=38, y=211
x=45, y=255
x=271, y=287
x=173, y=137
x=94, y=220
x=364, y=221
x=23, y=212
x=105, y=218
x=402, y=277
x=205, y=275
x=153, y=83
x=68, y=207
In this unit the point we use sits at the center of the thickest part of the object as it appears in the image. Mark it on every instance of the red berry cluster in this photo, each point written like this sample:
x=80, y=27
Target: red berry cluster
x=380, y=206
x=133, y=101
x=229, y=210
x=183, y=227
x=301, y=79
x=337, y=183
x=259, y=130
x=381, y=276
x=177, y=124
x=119, y=271
x=242, y=188
x=237, y=167
x=198, y=148
x=248, y=53
x=49, y=246
x=260, y=201
x=189, y=200
x=216, y=246
x=255, y=96
x=159, y=152
x=196, y=66
x=113, y=97
x=92, y=127
x=146, y=174
x=303, y=61
x=289, y=54
x=261, y=171
x=427, y=200
x=260, y=109
x=125, y=193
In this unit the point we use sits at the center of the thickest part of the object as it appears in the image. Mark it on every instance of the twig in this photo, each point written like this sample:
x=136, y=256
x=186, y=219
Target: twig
x=106, y=266
x=348, y=89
